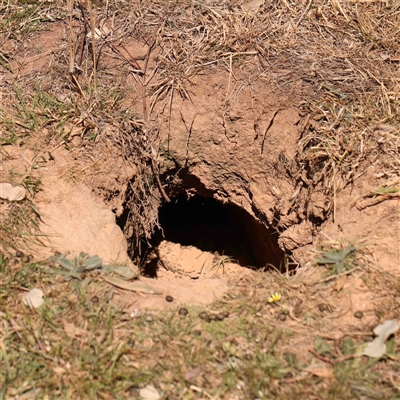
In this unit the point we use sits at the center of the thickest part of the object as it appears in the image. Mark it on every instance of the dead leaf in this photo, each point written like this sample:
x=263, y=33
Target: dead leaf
x=33, y=298
x=126, y=273
x=377, y=347
x=252, y=5
x=149, y=393
x=192, y=373
x=320, y=370
x=11, y=193
x=72, y=331
x=383, y=127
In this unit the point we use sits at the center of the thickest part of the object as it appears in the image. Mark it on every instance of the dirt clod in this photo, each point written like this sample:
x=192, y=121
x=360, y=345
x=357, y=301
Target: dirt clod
x=323, y=307
x=211, y=317
x=203, y=315
x=282, y=317
x=19, y=254
x=183, y=312
x=220, y=317
x=225, y=314
x=358, y=314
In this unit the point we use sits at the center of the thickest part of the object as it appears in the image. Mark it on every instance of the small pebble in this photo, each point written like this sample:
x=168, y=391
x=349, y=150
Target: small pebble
x=149, y=318
x=358, y=314
x=212, y=317
x=203, y=315
x=169, y=298
x=282, y=317
x=220, y=317
x=297, y=311
x=134, y=313
x=183, y=312
x=225, y=314
x=323, y=307
x=19, y=254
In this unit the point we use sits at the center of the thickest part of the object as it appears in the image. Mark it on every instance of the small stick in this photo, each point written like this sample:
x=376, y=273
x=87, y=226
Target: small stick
x=230, y=78
x=304, y=13
x=270, y=122
x=189, y=131
x=170, y=113
x=327, y=360
x=83, y=33
x=92, y=14
x=70, y=38
x=157, y=175
x=78, y=85
x=334, y=192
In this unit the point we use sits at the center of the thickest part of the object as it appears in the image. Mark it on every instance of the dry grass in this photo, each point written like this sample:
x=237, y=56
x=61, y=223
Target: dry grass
x=306, y=344
x=19, y=221
x=341, y=59
x=19, y=226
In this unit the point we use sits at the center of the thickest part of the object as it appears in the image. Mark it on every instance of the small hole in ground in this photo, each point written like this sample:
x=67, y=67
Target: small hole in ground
x=212, y=226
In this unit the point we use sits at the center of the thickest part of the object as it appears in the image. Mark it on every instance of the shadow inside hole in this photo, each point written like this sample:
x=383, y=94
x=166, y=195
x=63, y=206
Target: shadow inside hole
x=212, y=226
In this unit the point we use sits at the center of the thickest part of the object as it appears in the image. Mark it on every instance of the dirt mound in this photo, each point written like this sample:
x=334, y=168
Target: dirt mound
x=237, y=149
x=210, y=142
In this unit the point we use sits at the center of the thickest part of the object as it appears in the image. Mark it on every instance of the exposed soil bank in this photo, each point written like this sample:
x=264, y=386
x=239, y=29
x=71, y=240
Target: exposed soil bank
x=232, y=147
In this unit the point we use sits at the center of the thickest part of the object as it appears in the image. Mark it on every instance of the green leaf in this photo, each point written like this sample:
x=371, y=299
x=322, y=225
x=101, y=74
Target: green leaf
x=347, y=251
x=390, y=346
x=348, y=347
x=66, y=264
x=326, y=261
x=93, y=263
x=321, y=345
x=339, y=268
x=291, y=359
x=226, y=347
x=385, y=190
x=331, y=256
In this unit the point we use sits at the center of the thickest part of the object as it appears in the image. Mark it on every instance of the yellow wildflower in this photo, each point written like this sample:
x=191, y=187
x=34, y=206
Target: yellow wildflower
x=275, y=298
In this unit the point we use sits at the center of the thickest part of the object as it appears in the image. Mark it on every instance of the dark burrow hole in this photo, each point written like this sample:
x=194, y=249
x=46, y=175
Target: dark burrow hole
x=213, y=226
